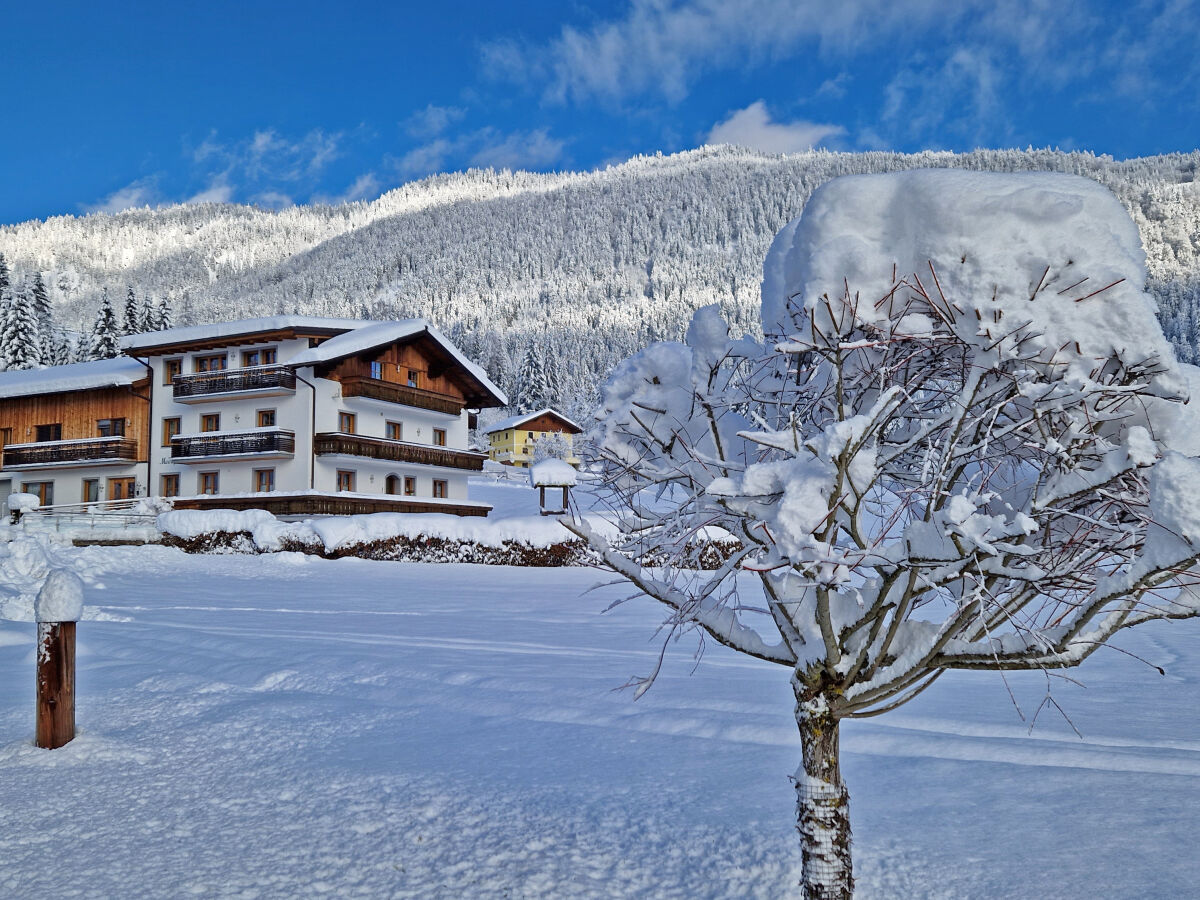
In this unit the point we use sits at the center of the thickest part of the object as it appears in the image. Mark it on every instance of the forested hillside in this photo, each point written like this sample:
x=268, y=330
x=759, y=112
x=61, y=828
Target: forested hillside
x=590, y=264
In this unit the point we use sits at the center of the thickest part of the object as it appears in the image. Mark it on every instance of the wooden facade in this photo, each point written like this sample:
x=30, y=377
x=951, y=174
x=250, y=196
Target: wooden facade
x=395, y=361
x=314, y=504
x=78, y=413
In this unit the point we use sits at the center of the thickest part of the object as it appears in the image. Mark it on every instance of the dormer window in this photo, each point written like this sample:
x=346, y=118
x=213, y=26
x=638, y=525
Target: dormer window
x=377, y=371
x=414, y=378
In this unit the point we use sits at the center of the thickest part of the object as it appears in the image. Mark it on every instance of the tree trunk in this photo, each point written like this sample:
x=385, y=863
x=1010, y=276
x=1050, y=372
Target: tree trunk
x=822, y=807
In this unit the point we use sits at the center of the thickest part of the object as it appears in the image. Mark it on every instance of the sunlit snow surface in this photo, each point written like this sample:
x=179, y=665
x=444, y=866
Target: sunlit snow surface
x=285, y=726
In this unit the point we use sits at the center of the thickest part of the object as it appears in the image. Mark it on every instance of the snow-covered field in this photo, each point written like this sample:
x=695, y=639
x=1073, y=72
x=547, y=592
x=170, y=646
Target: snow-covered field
x=283, y=726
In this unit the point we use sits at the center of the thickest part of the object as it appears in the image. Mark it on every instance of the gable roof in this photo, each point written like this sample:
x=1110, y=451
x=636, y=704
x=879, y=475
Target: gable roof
x=101, y=373
x=516, y=421
x=225, y=332
x=380, y=334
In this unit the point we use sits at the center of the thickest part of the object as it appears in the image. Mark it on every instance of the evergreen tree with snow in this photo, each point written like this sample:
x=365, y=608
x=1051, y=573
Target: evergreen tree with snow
x=19, y=345
x=4, y=279
x=534, y=387
x=42, y=308
x=106, y=332
x=133, y=314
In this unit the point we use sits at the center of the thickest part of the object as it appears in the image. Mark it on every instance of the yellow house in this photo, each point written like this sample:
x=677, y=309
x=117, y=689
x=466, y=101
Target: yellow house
x=511, y=441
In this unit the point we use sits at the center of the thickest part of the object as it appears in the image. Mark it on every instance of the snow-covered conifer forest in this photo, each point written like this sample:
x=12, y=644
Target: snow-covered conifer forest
x=594, y=264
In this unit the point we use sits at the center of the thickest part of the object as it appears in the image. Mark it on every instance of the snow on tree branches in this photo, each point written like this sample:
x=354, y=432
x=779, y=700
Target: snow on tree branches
x=953, y=450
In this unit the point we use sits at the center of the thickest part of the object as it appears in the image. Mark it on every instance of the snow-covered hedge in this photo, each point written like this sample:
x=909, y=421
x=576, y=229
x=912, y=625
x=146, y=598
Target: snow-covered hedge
x=530, y=541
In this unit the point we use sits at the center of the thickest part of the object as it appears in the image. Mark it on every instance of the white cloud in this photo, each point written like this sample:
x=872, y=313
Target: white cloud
x=272, y=199
x=484, y=147
x=136, y=194
x=364, y=186
x=752, y=127
x=432, y=120
x=662, y=47
x=219, y=190
x=520, y=149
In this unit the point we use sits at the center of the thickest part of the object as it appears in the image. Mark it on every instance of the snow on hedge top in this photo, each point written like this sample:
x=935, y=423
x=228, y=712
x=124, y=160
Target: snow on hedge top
x=83, y=376
x=552, y=473
x=1057, y=251
x=377, y=334
x=236, y=328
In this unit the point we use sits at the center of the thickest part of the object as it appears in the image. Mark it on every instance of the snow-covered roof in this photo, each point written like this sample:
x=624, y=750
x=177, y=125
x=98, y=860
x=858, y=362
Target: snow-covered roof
x=377, y=334
x=101, y=373
x=552, y=473
x=222, y=330
x=518, y=420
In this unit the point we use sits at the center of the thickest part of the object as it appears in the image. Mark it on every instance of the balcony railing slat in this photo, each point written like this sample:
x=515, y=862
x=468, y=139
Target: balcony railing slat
x=50, y=452
x=233, y=444
x=397, y=451
x=224, y=381
x=376, y=389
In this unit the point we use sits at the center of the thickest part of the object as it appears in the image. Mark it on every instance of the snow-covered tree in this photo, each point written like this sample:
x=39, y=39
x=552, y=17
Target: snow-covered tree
x=535, y=388
x=135, y=314
x=962, y=445
x=19, y=343
x=42, y=307
x=104, y=341
x=554, y=445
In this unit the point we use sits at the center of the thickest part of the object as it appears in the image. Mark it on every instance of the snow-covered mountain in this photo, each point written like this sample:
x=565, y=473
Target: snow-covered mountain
x=594, y=264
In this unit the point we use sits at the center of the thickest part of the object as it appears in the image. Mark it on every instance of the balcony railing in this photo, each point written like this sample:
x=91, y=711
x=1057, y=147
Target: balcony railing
x=376, y=389
x=397, y=451
x=85, y=451
x=267, y=442
x=260, y=380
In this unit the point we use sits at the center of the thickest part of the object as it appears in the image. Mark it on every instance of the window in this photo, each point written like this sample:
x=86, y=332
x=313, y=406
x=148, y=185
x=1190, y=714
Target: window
x=346, y=422
x=525, y=450
x=264, y=480
x=266, y=418
x=171, y=368
x=530, y=435
x=392, y=484
x=210, y=422
x=210, y=363
x=91, y=490
x=258, y=357
x=439, y=437
x=48, y=432
x=121, y=488
x=170, y=485
x=43, y=489
x=410, y=487
x=439, y=488
x=394, y=431
x=414, y=378
x=377, y=370
x=110, y=428
x=345, y=480
x=209, y=482
x=5, y=437
x=171, y=427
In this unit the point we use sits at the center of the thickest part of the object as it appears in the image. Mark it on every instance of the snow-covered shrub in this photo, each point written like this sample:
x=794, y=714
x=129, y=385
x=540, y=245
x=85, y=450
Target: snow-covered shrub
x=953, y=451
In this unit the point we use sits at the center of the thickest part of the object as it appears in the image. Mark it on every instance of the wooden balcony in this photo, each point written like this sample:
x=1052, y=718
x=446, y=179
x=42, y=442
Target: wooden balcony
x=64, y=454
x=253, y=381
x=389, y=392
x=272, y=443
x=397, y=451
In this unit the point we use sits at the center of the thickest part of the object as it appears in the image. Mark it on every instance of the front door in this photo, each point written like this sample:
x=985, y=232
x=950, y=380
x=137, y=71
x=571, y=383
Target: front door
x=121, y=488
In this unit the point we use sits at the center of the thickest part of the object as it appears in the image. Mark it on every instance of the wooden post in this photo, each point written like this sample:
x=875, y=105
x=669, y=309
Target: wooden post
x=55, y=684
x=59, y=606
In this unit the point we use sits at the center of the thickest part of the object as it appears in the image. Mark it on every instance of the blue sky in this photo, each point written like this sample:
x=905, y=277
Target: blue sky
x=127, y=103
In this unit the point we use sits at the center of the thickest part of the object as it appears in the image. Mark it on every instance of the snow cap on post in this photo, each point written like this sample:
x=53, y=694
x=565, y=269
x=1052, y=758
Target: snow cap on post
x=552, y=473
x=61, y=597
x=1055, y=253
x=22, y=501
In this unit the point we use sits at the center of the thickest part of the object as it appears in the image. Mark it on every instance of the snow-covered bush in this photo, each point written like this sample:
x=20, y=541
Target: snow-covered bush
x=953, y=451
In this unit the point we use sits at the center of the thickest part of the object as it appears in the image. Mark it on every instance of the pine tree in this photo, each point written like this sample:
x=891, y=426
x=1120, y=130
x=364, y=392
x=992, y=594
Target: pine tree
x=42, y=307
x=19, y=345
x=4, y=281
x=133, y=315
x=534, y=389
x=106, y=332
x=162, y=315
